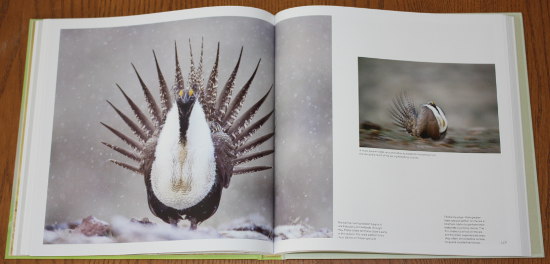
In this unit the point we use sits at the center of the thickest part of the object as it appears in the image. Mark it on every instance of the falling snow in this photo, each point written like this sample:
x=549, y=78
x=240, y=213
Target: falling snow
x=304, y=128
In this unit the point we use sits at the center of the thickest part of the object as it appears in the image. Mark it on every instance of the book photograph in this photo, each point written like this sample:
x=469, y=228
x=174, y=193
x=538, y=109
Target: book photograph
x=426, y=106
x=163, y=132
x=304, y=126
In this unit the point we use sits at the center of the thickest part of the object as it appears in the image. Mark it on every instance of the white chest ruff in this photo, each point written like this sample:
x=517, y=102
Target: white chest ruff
x=181, y=176
x=439, y=116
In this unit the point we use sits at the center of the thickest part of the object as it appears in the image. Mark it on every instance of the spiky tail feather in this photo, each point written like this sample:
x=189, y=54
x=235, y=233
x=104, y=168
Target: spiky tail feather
x=403, y=112
x=222, y=112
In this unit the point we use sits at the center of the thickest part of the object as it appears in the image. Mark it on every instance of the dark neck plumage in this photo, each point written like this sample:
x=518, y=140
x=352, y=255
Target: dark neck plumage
x=184, y=113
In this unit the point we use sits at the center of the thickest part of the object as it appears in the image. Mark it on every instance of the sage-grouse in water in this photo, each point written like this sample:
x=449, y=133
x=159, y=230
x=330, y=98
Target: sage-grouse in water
x=429, y=122
x=190, y=143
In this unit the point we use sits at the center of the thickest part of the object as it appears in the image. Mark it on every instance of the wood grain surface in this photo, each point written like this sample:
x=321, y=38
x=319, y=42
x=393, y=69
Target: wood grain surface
x=14, y=19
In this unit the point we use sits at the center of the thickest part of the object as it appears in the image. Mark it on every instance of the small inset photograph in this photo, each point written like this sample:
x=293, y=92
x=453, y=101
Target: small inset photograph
x=425, y=106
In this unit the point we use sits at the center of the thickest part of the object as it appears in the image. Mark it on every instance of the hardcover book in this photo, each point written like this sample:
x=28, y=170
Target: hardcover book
x=318, y=132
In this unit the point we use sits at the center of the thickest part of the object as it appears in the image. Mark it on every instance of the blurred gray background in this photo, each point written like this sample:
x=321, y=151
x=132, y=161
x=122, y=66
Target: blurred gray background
x=82, y=182
x=465, y=92
x=304, y=122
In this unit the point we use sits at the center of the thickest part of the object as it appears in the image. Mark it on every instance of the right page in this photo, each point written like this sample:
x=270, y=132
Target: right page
x=425, y=152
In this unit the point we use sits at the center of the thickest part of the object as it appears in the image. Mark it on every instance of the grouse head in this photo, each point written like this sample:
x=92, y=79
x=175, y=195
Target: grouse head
x=185, y=102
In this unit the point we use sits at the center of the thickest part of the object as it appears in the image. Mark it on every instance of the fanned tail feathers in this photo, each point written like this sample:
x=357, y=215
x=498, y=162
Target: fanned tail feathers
x=403, y=112
x=223, y=112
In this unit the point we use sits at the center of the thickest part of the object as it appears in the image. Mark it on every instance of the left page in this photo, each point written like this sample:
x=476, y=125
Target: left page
x=149, y=134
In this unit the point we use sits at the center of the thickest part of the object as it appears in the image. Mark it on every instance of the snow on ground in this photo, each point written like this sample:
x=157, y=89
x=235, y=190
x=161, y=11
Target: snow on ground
x=68, y=236
x=244, y=235
x=132, y=231
x=120, y=229
x=300, y=230
x=254, y=223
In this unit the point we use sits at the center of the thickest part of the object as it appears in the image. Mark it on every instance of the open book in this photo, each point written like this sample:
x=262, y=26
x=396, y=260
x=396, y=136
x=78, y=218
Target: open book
x=229, y=132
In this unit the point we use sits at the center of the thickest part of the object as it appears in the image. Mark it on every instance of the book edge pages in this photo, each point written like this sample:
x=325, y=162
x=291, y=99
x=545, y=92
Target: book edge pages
x=535, y=225
x=20, y=140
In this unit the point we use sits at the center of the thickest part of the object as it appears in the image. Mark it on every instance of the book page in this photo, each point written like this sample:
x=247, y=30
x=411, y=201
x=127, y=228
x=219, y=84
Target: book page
x=155, y=135
x=426, y=140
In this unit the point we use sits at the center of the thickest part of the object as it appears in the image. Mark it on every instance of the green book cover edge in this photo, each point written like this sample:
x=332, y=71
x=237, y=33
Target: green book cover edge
x=533, y=204
x=22, y=120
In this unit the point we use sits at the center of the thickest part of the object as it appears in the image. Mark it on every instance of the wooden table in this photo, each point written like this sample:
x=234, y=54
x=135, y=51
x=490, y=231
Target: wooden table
x=15, y=15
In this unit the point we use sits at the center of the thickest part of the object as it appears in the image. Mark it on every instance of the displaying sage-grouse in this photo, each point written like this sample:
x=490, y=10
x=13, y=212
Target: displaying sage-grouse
x=190, y=144
x=429, y=122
